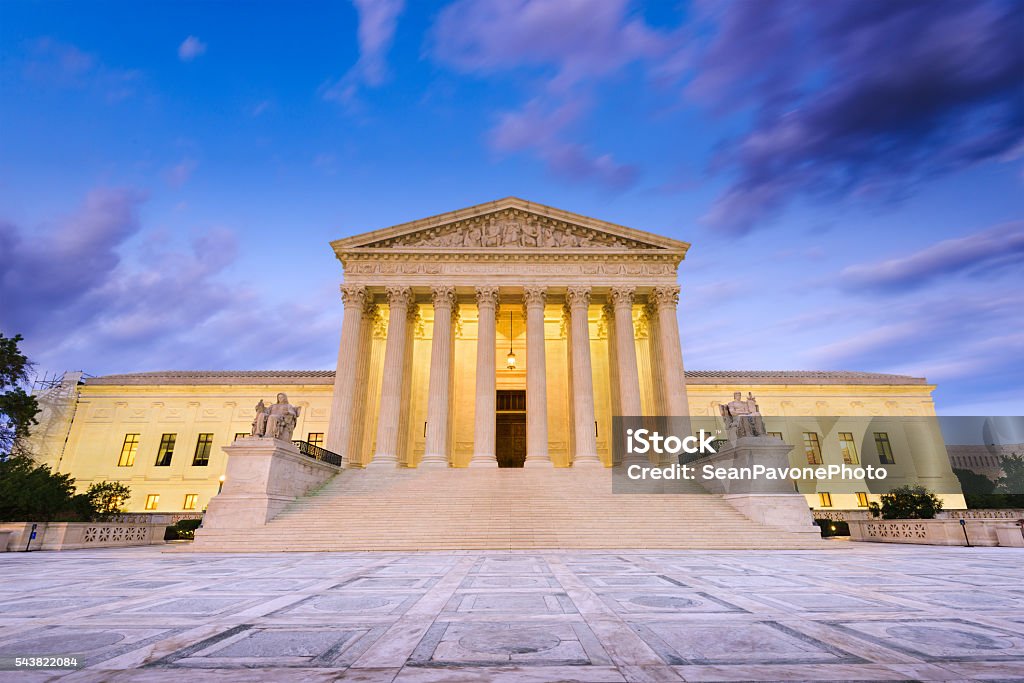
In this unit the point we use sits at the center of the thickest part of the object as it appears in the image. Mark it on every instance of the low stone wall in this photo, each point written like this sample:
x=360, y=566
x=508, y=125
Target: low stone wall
x=981, y=532
x=74, y=535
x=1011, y=514
x=165, y=518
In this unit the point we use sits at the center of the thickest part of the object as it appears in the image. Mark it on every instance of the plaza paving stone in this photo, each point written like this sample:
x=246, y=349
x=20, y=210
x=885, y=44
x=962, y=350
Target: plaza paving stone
x=851, y=612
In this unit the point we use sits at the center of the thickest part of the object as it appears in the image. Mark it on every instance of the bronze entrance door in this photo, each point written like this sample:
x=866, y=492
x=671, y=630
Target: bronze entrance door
x=510, y=428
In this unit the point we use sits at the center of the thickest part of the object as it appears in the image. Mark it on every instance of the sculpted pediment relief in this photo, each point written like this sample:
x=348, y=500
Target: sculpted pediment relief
x=509, y=228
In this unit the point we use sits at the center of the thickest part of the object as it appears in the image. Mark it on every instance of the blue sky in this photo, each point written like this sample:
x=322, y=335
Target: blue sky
x=850, y=173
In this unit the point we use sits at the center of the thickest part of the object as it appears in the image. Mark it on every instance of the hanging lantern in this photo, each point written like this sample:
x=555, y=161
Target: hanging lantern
x=510, y=359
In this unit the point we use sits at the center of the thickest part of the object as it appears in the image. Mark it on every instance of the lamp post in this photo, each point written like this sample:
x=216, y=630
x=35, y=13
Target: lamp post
x=220, y=487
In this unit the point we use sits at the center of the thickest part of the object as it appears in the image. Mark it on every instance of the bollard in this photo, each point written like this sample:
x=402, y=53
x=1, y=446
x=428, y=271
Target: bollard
x=963, y=525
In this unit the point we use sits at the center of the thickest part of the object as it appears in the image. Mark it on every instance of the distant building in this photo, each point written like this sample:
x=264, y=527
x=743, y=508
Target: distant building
x=985, y=460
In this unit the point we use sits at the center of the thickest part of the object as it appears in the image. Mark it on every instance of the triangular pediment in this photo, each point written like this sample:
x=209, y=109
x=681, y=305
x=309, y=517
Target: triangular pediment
x=508, y=224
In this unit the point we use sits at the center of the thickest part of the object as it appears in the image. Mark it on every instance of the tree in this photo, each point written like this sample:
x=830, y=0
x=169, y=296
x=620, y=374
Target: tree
x=910, y=502
x=31, y=492
x=1011, y=484
x=18, y=408
x=977, y=489
x=108, y=497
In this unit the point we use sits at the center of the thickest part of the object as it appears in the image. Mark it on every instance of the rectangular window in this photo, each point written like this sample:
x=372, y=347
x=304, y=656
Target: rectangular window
x=240, y=435
x=825, y=498
x=128, y=448
x=884, y=448
x=152, y=500
x=812, y=448
x=862, y=499
x=190, y=501
x=777, y=435
x=315, y=439
x=848, y=448
x=166, y=451
x=203, y=446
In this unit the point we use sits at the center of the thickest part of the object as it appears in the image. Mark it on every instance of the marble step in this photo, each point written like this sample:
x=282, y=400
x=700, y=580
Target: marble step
x=451, y=509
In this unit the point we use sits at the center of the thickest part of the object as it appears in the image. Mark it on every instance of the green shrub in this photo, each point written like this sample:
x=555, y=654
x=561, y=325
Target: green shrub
x=910, y=502
x=187, y=527
x=184, y=529
x=832, y=528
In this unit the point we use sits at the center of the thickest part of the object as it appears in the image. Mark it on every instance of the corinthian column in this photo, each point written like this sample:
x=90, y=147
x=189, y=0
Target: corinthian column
x=536, y=381
x=436, y=453
x=339, y=428
x=483, y=431
x=389, y=415
x=676, y=404
x=625, y=351
x=582, y=379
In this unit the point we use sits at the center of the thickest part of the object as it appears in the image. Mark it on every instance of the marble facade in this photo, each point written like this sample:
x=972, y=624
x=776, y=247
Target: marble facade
x=577, y=285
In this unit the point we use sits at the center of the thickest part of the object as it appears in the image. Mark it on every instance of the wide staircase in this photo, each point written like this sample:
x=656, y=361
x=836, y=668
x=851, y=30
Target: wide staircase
x=506, y=509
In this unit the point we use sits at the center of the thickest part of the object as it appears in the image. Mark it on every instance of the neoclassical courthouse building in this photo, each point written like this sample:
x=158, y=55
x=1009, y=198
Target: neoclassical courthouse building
x=506, y=334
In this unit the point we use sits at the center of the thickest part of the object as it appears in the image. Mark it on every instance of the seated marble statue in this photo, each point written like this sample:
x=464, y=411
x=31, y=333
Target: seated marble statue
x=281, y=419
x=742, y=417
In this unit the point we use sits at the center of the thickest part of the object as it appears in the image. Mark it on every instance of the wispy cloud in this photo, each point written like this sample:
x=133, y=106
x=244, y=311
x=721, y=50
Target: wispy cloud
x=851, y=99
x=543, y=132
x=566, y=44
x=51, y=63
x=180, y=173
x=378, y=20
x=986, y=251
x=191, y=48
x=104, y=314
x=576, y=39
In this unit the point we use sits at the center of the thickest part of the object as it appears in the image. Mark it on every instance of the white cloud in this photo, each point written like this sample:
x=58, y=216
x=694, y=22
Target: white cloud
x=191, y=48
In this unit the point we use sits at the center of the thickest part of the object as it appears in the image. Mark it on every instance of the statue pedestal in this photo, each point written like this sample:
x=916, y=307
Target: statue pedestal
x=772, y=502
x=263, y=476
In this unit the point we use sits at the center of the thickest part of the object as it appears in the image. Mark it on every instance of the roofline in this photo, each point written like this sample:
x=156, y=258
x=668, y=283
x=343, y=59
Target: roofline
x=352, y=242
x=731, y=378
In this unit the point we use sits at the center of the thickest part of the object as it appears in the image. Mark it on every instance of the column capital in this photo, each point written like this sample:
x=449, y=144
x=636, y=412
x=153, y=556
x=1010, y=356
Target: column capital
x=608, y=310
x=353, y=295
x=534, y=296
x=578, y=297
x=412, y=314
x=487, y=295
x=666, y=297
x=399, y=296
x=443, y=297
x=622, y=296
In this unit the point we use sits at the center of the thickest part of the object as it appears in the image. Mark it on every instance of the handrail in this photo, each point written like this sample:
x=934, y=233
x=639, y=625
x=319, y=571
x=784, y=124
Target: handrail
x=318, y=453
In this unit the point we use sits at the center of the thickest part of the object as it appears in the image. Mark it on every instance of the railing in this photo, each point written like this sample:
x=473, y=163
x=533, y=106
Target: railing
x=318, y=453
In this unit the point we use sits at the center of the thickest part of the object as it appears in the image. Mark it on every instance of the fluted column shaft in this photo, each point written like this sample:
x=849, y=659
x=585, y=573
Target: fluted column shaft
x=676, y=405
x=436, y=451
x=582, y=379
x=339, y=428
x=484, y=454
x=625, y=351
x=536, y=381
x=389, y=415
